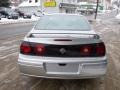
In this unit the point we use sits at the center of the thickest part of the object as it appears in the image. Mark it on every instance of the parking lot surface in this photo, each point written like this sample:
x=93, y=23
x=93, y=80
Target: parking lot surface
x=10, y=78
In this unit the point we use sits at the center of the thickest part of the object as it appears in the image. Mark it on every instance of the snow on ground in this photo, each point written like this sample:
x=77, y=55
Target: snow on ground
x=28, y=3
x=20, y=20
x=118, y=16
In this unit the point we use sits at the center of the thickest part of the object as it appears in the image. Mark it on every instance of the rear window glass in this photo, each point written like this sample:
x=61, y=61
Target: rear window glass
x=62, y=22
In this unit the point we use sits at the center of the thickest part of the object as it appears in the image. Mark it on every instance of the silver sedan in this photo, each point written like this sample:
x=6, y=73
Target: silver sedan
x=62, y=46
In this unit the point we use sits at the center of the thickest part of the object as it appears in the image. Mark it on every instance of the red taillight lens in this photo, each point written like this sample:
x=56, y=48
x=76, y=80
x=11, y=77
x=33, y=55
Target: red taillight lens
x=85, y=50
x=94, y=50
x=100, y=49
x=39, y=49
x=30, y=48
x=25, y=48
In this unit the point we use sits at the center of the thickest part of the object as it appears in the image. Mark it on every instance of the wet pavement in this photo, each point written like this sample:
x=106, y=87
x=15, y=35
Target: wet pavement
x=10, y=78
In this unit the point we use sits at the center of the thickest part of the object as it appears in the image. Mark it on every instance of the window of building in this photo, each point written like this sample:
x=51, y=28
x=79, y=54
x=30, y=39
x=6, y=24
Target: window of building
x=30, y=1
x=36, y=0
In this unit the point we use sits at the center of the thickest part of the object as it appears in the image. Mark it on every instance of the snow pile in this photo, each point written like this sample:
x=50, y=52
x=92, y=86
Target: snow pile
x=116, y=4
x=32, y=3
x=118, y=16
x=20, y=20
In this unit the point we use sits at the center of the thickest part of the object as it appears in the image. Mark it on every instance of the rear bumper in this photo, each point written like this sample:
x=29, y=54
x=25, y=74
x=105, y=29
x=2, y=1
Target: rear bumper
x=86, y=68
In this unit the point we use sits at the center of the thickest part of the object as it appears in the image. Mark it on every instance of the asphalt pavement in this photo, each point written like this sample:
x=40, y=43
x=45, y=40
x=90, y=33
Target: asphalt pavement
x=9, y=30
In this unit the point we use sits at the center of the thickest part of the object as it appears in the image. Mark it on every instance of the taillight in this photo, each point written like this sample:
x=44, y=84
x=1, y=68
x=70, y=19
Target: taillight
x=92, y=50
x=100, y=49
x=25, y=48
x=29, y=48
x=39, y=49
x=85, y=50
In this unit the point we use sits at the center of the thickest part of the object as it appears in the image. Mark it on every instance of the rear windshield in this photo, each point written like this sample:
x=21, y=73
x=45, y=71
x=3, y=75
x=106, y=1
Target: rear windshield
x=62, y=22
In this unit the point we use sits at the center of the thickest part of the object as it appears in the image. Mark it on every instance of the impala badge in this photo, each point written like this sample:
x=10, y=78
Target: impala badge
x=62, y=50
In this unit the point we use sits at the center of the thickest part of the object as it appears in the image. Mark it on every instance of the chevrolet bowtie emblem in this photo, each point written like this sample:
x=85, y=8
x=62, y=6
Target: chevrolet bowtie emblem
x=62, y=50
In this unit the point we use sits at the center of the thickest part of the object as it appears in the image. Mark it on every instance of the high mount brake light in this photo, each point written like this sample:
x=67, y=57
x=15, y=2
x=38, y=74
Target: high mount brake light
x=62, y=40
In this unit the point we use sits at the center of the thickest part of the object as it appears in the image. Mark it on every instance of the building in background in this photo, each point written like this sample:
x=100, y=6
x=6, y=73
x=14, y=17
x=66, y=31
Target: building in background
x=59, y=6
x=49, y=6
x=16, y=2
x=106, y=3
x=70, y=6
